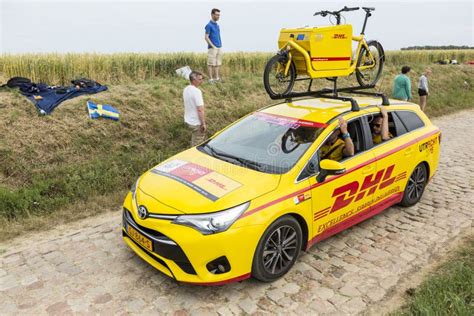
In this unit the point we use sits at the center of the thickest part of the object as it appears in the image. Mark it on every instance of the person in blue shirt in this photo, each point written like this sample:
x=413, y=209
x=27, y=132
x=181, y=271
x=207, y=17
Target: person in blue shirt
x=214, y=45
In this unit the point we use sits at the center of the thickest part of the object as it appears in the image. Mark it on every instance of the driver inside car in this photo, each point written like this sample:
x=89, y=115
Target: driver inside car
x=336, y=148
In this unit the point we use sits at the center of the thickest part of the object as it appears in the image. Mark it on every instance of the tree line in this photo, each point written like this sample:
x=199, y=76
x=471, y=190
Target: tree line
x=428, y=47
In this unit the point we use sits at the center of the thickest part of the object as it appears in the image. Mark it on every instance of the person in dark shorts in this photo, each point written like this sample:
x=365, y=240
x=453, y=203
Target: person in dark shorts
x=423, y=90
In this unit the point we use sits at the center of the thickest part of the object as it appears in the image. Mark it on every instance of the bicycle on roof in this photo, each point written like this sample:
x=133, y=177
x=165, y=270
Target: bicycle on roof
x=323, y=52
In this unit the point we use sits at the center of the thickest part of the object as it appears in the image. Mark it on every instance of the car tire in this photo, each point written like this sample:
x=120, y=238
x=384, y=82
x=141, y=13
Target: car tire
x=277, y=249
x=415, y=186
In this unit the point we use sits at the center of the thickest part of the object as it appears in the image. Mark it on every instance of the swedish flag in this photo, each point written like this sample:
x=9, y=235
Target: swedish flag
x=102, y=110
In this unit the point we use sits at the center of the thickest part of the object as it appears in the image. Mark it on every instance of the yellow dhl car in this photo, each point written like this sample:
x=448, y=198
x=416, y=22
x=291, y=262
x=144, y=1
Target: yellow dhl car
x=248, y=200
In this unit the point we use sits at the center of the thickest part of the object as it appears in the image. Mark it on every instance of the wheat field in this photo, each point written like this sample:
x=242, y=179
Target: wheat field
x=59, y=69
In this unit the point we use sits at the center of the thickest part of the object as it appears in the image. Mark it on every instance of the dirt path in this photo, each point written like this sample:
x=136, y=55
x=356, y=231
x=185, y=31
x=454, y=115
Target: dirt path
x=86, y=268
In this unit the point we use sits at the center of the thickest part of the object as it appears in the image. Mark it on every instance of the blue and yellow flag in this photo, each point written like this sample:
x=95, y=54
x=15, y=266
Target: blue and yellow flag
x=102, y=110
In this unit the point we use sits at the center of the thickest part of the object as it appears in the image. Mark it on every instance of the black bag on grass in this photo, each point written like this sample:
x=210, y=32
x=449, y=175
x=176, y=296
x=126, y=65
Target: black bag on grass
x=85, y=83
x=17, y=82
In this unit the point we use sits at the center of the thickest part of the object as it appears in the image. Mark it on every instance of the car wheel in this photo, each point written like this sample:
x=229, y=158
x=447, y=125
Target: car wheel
x=415, y=186
x=277, y=250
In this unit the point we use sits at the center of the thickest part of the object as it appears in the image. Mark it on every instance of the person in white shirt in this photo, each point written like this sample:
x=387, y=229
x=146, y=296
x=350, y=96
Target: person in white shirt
x=194, y=109
x=423, y=90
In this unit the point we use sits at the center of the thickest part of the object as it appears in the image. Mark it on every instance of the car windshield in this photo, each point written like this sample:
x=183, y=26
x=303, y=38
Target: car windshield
x=264, y=142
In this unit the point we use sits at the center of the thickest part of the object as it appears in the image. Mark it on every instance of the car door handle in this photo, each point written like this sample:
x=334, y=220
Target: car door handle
x=408, y=152
x=368, y=169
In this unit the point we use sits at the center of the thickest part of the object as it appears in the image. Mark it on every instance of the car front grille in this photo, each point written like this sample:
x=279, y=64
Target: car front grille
x=162, y=245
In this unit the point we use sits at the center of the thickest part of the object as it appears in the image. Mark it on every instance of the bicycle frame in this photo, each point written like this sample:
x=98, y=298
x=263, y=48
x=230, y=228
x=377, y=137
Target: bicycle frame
x=309, y=53
x=314, y=73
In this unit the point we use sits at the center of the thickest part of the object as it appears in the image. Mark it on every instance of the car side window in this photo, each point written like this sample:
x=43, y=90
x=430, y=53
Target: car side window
x=311, y=168
x=399, y=127
x=410, y=120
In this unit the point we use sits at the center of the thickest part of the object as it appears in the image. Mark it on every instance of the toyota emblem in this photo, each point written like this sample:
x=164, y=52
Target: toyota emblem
x=142, y=212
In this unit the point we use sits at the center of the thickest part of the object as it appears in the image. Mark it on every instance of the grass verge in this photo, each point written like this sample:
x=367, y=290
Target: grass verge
x=449, y=290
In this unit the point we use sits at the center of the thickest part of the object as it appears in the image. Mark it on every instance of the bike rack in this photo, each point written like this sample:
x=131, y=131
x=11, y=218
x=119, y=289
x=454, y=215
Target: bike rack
x=334, y=94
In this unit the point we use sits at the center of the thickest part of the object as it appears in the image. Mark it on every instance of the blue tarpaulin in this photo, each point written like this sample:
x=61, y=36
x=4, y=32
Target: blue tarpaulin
x=46, y=100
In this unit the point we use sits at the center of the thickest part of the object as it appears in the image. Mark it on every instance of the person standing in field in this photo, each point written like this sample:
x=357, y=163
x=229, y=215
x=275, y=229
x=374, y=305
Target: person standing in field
x=194, y=109
x=402, y=85
x=214, y=46
x=423, y=90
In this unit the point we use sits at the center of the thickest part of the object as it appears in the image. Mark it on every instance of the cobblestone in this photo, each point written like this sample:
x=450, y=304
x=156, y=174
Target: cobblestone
x=86, y=269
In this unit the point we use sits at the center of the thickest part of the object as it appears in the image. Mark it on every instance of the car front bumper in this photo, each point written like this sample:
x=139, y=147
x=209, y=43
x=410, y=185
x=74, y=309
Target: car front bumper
x=186, y=255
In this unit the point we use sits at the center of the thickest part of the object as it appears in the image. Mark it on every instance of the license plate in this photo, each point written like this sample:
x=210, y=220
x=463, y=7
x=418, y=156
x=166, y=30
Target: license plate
x=139, y=238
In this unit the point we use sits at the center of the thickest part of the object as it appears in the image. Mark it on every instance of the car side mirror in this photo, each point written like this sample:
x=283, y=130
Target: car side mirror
x=329, y=167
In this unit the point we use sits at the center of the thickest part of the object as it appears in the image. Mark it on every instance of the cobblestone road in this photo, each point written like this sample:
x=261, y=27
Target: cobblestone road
x=86, y=268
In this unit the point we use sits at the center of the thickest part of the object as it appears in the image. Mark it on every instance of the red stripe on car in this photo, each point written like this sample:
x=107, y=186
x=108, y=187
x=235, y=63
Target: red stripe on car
x=236, y=279
x=359, y=217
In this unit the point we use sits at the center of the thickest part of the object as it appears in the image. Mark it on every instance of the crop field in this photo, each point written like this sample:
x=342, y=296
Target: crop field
x=123, y=68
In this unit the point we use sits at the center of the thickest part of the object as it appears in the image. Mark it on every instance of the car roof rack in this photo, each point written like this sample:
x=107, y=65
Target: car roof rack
x=334, y=94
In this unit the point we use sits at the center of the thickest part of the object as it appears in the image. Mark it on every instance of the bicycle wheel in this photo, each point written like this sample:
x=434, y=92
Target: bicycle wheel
x=289, y=142
x=275, y=82
x=370, y=76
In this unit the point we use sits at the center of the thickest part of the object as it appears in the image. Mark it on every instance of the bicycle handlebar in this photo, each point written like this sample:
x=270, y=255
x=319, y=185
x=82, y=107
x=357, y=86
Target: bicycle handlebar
x=322, y=13
x=336, y=13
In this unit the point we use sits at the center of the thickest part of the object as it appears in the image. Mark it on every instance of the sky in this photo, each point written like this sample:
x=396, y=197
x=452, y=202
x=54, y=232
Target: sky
x=107, y=26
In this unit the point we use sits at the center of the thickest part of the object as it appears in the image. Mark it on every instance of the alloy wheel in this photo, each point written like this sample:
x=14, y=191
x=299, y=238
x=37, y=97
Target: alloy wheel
x=280, y=250
x=416, y=183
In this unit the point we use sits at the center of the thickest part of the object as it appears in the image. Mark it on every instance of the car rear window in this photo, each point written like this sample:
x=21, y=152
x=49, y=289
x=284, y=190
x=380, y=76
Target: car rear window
x=410, y=119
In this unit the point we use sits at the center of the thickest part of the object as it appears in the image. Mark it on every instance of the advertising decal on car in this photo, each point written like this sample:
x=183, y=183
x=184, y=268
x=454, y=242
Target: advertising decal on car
x=287, y=121
x=207, y=182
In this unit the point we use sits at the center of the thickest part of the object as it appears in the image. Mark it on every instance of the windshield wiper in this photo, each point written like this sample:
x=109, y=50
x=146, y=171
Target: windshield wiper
x=248, y=163
x=213, y=151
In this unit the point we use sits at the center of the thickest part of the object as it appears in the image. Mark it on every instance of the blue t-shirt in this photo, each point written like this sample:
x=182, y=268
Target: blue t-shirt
x=212, y=28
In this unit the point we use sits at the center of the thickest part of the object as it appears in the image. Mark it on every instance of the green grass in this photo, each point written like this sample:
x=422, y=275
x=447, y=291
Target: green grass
x=449, y=290
x=65, y=162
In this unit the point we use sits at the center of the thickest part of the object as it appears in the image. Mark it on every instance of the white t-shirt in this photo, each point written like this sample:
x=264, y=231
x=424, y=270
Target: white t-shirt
x=192, y=97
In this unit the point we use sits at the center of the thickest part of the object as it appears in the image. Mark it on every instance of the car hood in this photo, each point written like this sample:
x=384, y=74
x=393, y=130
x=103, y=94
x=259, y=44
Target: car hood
x=193, y=182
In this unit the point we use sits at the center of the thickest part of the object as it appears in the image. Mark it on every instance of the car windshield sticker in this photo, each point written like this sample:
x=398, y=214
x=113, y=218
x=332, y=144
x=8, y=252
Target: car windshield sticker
x=206, y=182
x=287, y=121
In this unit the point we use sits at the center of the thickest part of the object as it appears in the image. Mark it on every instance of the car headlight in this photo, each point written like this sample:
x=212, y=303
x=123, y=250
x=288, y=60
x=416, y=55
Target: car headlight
x=213, y=222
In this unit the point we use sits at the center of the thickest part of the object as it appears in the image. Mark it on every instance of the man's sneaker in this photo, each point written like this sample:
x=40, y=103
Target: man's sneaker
x=212, y=81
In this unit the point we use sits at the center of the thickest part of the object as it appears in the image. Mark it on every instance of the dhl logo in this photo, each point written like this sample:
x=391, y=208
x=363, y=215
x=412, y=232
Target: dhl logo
x=339, y=36
x=354, y=191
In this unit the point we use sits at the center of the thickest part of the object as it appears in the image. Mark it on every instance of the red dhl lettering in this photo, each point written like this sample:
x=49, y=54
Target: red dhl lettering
x=348, y=192
x=216, y=183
